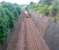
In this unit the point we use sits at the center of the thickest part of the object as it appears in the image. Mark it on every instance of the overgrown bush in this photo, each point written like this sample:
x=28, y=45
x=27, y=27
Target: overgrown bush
x=8, y=14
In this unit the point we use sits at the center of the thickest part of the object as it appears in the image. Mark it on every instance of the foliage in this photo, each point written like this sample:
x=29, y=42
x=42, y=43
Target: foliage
x=48, y=2
x=46, y=8
x=8, y=14
x=42, y=9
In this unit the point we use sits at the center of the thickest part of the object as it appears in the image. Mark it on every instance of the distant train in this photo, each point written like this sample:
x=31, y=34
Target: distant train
x=28, y=15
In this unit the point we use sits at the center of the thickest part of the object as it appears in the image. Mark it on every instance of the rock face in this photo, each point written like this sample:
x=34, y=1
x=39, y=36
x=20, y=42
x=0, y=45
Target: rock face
x=40, y=22
x=52, y=36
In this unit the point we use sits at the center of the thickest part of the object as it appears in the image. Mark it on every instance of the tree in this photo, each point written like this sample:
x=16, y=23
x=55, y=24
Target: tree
x=8, y=14
x=46, y=2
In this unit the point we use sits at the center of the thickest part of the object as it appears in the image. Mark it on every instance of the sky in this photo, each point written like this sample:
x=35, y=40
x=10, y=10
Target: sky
x=21, y=1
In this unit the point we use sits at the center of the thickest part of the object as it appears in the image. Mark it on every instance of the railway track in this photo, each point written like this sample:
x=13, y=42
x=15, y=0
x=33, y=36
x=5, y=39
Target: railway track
x=29, y=36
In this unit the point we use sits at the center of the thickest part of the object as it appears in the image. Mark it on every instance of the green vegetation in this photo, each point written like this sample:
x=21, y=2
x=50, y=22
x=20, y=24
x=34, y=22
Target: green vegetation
x=8, y=14
x=48, y=8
